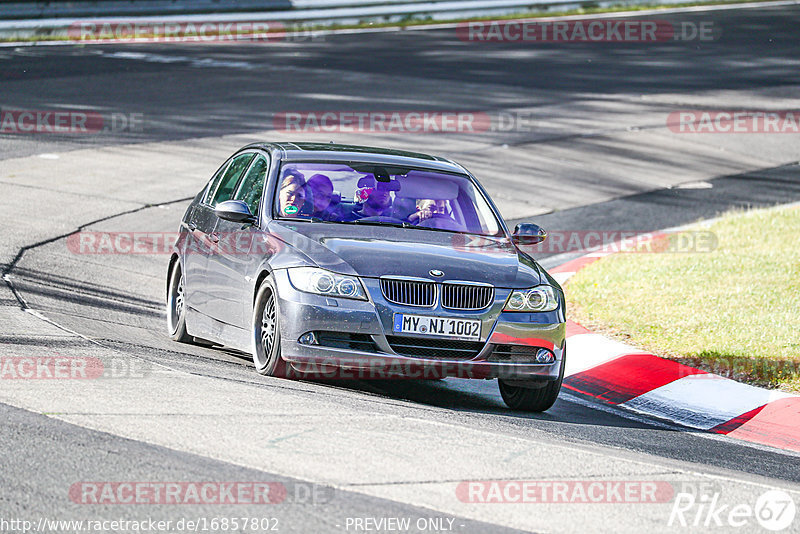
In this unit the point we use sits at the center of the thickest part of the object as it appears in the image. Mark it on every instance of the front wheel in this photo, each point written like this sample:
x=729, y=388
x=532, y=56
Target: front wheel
x=538, y=398
x=176, y=305
x=266, y=332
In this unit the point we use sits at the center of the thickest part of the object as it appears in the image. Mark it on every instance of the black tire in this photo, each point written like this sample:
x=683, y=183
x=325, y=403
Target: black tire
x=538, y=398
x=266, y=332
x=176, y=305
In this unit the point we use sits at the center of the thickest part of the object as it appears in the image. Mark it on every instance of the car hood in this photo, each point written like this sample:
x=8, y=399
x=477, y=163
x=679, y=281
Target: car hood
x=374, y=251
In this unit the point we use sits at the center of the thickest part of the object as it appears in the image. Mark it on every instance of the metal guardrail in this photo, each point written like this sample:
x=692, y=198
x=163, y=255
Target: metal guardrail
x=126, y=8
x=60, y=17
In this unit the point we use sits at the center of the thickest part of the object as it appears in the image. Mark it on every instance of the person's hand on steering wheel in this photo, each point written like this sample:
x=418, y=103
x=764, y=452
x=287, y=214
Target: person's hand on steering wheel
x=420, y=215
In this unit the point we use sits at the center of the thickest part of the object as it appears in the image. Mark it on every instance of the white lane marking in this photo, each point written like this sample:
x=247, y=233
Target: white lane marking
x=702, y=401
x=194, y=62
x=620, y=410
x=594, y=350
x=702, y=184
x=561, y=278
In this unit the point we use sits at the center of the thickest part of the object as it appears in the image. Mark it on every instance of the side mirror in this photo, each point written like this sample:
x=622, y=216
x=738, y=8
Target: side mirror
x=528, y=234
x=235, y=211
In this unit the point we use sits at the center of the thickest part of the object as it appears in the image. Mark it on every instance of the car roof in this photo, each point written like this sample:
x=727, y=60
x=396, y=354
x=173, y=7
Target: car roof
x=341, y=152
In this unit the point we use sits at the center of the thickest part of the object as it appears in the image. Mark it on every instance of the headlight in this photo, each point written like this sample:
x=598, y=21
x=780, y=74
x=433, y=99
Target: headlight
x=537, y=299
x=322, y=282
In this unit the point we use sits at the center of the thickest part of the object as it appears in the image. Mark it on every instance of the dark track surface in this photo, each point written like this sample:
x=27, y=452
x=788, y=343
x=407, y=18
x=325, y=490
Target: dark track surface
x=181, y=94
x=181, y=97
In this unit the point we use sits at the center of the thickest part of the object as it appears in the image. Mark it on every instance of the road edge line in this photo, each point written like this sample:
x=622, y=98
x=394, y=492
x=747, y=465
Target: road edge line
x=617, y=374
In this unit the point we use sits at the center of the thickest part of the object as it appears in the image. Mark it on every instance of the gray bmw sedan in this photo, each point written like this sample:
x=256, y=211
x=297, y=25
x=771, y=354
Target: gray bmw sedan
x=325, y=260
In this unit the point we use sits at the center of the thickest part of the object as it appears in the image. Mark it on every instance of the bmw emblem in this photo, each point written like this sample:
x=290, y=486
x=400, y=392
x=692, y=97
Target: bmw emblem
x=436, y=272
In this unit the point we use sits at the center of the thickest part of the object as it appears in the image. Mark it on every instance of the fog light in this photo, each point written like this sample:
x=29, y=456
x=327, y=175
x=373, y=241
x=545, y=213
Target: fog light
x=308, y=339
x=545, y=356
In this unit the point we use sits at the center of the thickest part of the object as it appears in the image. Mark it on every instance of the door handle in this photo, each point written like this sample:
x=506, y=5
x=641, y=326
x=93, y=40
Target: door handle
x=214, y=237
x=191, y=226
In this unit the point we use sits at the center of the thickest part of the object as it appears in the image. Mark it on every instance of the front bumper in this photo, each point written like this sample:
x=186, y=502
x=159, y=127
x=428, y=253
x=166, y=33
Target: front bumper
x=302, y=312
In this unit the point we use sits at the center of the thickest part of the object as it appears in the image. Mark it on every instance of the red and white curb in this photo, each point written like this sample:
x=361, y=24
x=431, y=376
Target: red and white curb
x=618, y=374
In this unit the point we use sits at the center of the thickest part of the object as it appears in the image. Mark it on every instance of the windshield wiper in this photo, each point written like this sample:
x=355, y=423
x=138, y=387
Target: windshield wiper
x=434, y=229
x=378, y=223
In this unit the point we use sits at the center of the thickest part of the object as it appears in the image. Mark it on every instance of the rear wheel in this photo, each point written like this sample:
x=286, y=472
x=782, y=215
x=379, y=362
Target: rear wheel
x=266, y=332
x=176, y=305
x=539, y=397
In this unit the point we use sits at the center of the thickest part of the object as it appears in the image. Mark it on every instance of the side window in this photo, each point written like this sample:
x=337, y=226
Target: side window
x=214, y=183
x=252, y=185
x=227, y=184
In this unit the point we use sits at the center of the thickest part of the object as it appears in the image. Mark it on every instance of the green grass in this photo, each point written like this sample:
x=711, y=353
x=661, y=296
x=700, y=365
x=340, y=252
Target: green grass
x=412, y=20
x=734, y=311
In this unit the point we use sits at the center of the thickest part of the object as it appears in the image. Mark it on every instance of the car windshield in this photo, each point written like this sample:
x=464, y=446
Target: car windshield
x=357, y=193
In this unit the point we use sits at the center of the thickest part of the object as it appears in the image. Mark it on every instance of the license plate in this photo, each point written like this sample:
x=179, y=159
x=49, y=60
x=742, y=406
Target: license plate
x=437, y=326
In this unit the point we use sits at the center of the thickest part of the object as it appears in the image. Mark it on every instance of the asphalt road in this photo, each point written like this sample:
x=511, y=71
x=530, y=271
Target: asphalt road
x=599, y=156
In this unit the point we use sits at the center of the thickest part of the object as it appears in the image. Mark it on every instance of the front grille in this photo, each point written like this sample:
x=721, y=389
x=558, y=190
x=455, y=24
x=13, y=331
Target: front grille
x=466, y=297
x=346, y=340
x=436, y=349
x=409, y=292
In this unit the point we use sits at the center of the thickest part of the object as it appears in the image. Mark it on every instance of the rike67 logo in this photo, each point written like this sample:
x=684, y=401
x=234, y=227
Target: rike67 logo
x=702, y=506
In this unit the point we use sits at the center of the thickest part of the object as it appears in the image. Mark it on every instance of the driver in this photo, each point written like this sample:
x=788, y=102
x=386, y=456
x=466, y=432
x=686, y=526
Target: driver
x=376, y=201
x=436, y=214
x=427, y=209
